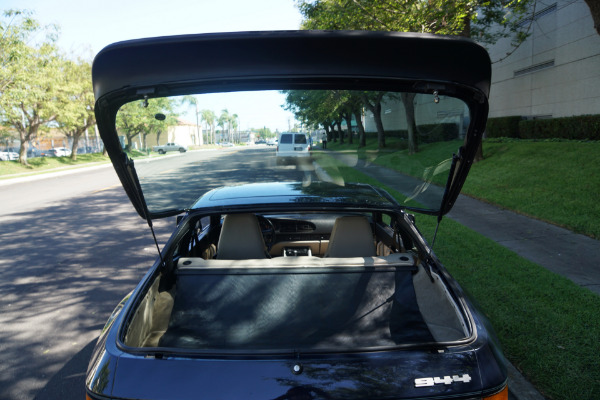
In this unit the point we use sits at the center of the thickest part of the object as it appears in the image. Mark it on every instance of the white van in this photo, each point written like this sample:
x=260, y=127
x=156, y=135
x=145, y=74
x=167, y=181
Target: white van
x=291, y=147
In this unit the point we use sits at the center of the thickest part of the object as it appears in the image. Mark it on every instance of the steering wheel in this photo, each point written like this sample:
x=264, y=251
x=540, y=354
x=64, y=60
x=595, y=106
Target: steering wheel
x=268, y=230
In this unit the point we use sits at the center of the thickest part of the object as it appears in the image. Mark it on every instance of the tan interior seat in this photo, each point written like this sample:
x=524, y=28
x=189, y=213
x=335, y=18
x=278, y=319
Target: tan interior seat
x=351, y=237
x=241, y=238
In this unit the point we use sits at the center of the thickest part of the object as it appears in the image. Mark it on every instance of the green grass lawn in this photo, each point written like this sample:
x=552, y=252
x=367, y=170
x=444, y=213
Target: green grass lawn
x=548, y=326
x=554, y=342
x=558, y=182
x=9, y=169
x=40, y=165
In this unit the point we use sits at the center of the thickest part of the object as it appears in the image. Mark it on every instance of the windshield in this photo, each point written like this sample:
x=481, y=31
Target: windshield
x=399, y=141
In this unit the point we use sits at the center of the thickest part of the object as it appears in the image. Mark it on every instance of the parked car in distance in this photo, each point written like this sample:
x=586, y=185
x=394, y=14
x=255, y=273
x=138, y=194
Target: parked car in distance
x=297, y=283
x=226, y=144
x=165, y=148
x=8, y=156
x=33, y=152
x=292, y=147
x=261, y=141
x=58, y=152
x=272, y=142
x=87, y=150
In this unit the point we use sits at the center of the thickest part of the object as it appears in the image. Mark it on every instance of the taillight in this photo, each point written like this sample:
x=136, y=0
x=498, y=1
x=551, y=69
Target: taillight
x=502, y=395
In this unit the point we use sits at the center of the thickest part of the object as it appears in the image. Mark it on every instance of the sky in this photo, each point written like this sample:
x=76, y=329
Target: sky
x=88, y=26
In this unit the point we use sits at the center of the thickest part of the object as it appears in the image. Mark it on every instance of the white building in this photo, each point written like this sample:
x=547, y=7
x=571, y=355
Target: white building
x=555, y=72
x=185, y=133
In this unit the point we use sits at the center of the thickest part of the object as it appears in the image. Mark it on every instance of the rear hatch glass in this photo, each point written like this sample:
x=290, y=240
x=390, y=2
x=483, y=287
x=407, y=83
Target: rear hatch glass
x=418, y=136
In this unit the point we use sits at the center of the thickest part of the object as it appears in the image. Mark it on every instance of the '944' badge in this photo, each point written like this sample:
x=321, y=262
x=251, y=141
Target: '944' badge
x=446, y=380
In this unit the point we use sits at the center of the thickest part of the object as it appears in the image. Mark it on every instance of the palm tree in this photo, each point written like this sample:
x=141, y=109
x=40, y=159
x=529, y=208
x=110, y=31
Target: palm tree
x=193, y=101
x=233, y=123
x=208, y=116
x=224, y=120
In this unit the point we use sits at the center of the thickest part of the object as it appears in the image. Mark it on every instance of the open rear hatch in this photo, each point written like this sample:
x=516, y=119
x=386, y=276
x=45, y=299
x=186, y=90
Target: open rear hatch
x=411, y=90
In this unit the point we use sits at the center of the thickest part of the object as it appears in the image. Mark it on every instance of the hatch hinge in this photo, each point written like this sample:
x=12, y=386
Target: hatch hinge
x=138, y=190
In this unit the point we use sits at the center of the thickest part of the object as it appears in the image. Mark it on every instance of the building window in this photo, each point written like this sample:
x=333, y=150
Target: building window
x=534, y=68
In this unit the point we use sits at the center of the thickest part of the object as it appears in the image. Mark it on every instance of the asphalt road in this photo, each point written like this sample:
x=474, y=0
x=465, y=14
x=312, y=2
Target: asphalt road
x=72, y=247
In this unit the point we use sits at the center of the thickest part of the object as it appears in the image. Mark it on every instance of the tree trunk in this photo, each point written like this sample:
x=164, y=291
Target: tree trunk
x=375, y=108
x=379, y=125
x=362, y=139
x=594, y=6
x=333, y=132
x=23, y=151
x=340, y=131
x=25, y=135
x=129, y=138
x=76, y=136
x=409, y=110
x=348, y=118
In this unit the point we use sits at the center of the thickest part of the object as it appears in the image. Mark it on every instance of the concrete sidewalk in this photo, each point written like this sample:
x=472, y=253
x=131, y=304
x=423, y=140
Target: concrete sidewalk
x=569, y=254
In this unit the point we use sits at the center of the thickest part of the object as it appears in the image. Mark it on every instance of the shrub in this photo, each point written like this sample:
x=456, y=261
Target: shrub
x=584, y=127
x=431, y=133
x=503, y=127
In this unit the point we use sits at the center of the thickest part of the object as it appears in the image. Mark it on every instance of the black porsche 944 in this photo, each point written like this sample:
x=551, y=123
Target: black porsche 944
x=307, y=280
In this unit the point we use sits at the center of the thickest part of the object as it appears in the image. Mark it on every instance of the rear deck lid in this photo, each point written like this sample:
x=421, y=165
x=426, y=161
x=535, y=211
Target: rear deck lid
x=408, y=107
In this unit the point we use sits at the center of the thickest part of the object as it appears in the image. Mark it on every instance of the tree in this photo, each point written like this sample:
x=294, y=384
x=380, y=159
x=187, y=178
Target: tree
x=193, y=101
x=77, y=112
x=233, y=124
x=139, y=118
x=353, y=107
x=409, y=111
x=30, y=98
x=316, y=107
x=208, y=116
x=223, y=122
x=372, y=100
x=594, y=6
x=470, y=18
x=16, y=27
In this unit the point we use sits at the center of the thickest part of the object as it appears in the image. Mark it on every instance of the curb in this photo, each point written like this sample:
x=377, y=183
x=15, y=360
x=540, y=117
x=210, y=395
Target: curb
x=519, y=388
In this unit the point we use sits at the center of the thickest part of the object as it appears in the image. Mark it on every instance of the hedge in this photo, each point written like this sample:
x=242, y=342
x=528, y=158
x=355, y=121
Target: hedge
x=584, y=127
x=427, y=133
x=503, y=127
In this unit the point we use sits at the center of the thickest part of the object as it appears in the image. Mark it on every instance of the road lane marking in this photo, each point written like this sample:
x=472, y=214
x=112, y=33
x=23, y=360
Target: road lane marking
x=106, y=188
